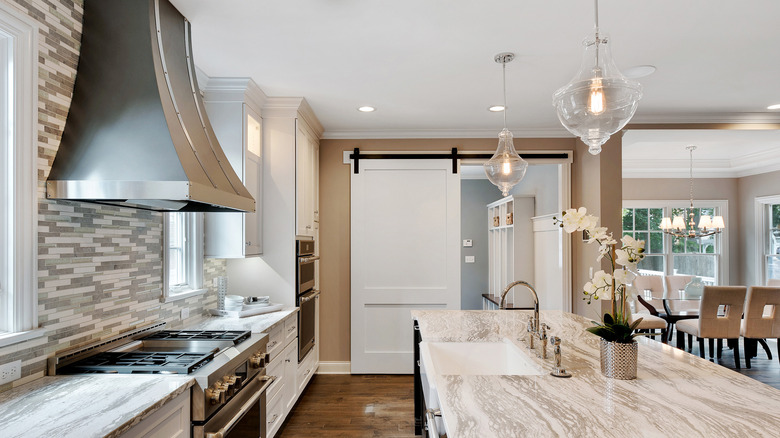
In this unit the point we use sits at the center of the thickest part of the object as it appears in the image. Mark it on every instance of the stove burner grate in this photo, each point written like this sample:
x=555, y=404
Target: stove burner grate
x=141, y=363
x=236, y=336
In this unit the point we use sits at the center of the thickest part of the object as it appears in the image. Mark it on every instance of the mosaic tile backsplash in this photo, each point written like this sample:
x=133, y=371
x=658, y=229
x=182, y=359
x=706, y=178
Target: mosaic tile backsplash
x=99, y=267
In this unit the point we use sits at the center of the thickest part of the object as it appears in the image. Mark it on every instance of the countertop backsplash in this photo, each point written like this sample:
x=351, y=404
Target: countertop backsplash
x=99, y=267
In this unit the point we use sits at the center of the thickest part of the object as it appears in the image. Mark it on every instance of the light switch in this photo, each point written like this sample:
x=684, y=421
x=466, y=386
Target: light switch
x=467, y=243
x=469, y=259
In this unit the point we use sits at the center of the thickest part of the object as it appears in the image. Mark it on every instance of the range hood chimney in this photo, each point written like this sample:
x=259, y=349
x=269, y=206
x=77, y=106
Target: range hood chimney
x=137, y=133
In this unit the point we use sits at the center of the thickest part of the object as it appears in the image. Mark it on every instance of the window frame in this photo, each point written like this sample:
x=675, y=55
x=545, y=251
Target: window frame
x=761, y=205
x=18, y=190
x=193, y=257
x=722, y=239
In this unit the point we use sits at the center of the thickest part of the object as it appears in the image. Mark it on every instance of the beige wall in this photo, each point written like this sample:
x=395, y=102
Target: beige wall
x=589, y=187
x=749, y=188
x=714, y=189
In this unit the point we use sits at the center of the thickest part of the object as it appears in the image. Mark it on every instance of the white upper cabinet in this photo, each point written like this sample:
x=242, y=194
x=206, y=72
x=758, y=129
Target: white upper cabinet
x=307, y=147
x=233, y=106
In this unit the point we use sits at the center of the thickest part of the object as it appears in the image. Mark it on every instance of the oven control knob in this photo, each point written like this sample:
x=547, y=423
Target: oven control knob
x=235, y=381
x=259, y=360
x=227, y=386
x=215, y=395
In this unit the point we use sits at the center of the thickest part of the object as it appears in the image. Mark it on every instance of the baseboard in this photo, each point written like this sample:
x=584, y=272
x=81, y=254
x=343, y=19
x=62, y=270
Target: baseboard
x=334, y=368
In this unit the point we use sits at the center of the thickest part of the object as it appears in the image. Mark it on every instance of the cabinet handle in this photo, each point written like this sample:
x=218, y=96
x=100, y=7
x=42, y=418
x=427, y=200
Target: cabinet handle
x=291, y=329
x=248, y=243
x=273, y=420
x=306, y=373
x=308, y=227
x=287, y=360
x=272, y=345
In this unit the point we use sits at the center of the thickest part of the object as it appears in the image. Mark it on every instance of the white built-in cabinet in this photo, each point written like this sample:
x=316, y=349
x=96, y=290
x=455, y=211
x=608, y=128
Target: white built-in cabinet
x=307, y=150
x=511, y=247
x=171, y=420
x=290, y=377
x=549, y=261
x=234, y=109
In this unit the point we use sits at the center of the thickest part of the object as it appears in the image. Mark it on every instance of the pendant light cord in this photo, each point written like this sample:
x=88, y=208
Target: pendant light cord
x=503, y=74
x=598, y=38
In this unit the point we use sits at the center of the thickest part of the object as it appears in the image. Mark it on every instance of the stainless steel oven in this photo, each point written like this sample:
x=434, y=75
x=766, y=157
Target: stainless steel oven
x=305, y=294
x=242, y=417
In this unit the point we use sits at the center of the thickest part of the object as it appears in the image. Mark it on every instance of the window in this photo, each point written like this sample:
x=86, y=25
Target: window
x=183, y=255
x=768, y=238
x=667, y=255
x=18, y=177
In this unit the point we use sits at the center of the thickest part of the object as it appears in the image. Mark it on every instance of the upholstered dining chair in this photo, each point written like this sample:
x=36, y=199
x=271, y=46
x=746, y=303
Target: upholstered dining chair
x=654, y=284
x=676, y=283
x=650, y=323
x=759, y=324
x=773, y=282
x=712, y=326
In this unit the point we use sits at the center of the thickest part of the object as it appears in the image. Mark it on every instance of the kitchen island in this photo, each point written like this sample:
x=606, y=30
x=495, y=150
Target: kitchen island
x=675, y=393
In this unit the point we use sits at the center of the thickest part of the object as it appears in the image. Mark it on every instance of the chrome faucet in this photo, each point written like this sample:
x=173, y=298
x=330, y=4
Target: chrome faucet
x=501, y=305
x=558, y=370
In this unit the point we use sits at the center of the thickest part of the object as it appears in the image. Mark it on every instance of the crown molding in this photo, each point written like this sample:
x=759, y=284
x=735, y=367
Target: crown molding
x=359, y=134
x=738, y=167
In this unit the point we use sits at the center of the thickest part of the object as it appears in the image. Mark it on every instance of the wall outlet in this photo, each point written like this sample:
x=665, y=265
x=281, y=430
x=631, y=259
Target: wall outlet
x=10, y=372
x=469, y=259
x=467, y=243
x=185, y=313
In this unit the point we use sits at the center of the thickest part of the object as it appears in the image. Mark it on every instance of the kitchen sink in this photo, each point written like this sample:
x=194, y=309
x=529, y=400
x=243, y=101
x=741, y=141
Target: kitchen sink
x=480, y=358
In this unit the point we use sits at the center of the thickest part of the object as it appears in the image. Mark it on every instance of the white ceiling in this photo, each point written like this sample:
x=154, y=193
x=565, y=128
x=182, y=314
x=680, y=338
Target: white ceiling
x=427, y=65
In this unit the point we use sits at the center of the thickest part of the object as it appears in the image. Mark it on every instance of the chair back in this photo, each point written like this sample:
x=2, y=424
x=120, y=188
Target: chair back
x=758, y=324
x=653, y=283
x=676, y=283
x=773, y=282
x=727, y=326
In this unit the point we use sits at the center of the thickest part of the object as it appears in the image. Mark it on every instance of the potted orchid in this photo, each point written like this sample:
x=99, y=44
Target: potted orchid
x=615, y=330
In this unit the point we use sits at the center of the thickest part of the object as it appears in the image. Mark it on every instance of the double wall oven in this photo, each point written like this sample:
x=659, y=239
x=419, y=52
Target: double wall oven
x=305, y=294
x=229, y=367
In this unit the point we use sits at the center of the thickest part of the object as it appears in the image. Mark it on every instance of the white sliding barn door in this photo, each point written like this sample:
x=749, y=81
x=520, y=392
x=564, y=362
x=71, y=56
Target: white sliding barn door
x=405, y=255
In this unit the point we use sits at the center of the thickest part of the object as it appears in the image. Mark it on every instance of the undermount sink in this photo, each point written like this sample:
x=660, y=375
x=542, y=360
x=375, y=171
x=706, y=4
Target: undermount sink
x=480, y=358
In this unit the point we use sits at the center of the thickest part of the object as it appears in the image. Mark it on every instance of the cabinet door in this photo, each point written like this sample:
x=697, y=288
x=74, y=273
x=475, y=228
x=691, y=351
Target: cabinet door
x=289, y=392
x=305, y=190
x=253, y=180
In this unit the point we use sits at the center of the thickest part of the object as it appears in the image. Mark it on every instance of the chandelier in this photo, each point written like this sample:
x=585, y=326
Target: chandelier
x=707, y=225
x=505, y=168
x=599, y=101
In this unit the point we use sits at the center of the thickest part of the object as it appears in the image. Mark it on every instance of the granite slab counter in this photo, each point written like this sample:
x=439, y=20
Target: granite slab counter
x=256, y=324
x=85, y=406
x=675, y=393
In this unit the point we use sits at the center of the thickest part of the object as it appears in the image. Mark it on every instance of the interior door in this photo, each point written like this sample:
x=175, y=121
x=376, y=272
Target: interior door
x=405, y=255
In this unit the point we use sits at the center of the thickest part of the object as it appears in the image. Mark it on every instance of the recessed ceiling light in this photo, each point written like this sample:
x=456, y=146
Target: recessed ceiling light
x=639, y=71
x=496, y=108
x=775, y=106
x=366, y=109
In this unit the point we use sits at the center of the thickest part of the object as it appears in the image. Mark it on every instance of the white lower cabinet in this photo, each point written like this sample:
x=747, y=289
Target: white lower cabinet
x=172, y=420
x=290, y=366
x=274, y=414
x=306, y=370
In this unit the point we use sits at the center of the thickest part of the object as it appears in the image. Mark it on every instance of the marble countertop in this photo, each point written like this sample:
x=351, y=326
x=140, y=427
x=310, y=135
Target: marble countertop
x=256, y=324
x=675, y=393
x=104, y=405
x=85, y=406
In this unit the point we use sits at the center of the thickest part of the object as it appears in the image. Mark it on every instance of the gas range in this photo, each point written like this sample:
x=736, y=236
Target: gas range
x=228, y=366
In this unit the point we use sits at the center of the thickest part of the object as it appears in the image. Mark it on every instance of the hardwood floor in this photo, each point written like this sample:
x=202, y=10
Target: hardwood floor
x=353, y=406
x=382, y=405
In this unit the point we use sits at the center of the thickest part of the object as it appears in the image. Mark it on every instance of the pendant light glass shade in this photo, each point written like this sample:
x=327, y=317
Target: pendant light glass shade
x=506, y=168
x=599, y=101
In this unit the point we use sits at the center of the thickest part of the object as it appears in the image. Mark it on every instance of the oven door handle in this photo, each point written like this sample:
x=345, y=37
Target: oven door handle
x=314, y=293
x=309, y=259
x=244, y=409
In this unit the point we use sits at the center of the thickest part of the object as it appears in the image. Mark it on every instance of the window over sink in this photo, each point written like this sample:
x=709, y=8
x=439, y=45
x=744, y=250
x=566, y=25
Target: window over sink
x=183, y=255
x=18, y=176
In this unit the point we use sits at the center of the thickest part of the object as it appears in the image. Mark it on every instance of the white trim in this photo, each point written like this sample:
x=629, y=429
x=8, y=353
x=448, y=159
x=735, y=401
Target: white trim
x=564, y=202
x=7, y=339
x=722, y=238
x=759, y=219
x=21, y=194
x=334, y=368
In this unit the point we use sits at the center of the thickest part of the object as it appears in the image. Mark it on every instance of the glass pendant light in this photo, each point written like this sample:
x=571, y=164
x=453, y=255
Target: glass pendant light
x=506, y=168
x=599, y=101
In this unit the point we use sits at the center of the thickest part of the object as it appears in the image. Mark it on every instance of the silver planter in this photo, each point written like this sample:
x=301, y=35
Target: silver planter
x=618, y=361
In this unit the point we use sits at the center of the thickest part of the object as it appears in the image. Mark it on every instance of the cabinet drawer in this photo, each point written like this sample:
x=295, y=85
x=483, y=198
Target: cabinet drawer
x=290, y=328
x=305, y=371
x=274, y=415
x=275, y=341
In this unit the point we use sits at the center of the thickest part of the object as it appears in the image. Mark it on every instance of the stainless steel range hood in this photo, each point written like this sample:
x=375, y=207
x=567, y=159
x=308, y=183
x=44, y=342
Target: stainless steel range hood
x=137, y=134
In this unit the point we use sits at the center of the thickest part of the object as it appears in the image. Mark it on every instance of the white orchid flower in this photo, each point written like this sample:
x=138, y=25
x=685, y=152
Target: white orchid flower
x=588, y=222
x=572, y=219
x=624, y=276
x=623, y=258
